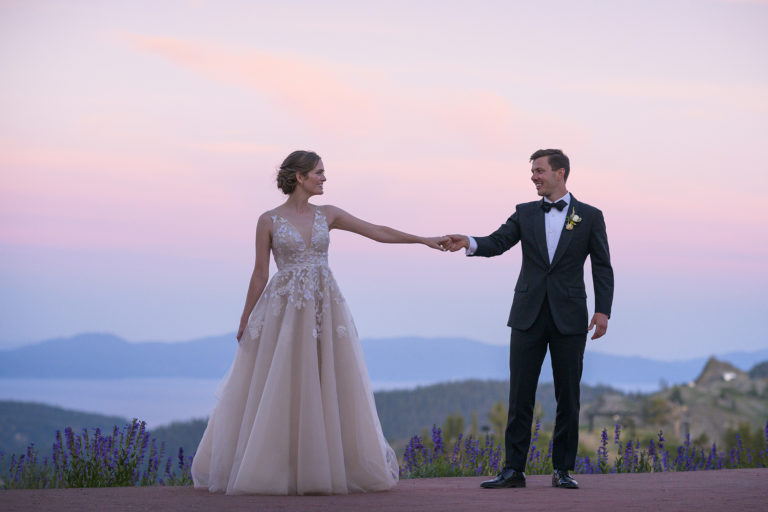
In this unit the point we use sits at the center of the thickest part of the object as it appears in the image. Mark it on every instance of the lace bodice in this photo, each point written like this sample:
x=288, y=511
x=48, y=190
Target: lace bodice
x=303, y=275
x=291, y=250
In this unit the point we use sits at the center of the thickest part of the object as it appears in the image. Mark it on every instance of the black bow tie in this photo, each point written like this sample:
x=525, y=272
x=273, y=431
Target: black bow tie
x=548, y=206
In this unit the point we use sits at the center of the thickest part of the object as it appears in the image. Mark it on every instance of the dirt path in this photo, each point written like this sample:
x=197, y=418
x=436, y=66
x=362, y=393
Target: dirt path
x=738, y=489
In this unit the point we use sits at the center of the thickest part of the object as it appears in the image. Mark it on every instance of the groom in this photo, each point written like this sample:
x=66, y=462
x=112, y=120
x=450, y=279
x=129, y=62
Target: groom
x=549, y=309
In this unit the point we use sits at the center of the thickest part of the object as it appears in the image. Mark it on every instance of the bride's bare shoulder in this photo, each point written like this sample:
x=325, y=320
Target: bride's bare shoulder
x=266, y=219
x=330, y=211
x=267, y=215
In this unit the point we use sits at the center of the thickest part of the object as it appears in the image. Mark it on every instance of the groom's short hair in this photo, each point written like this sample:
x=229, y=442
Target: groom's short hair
x=557, y=160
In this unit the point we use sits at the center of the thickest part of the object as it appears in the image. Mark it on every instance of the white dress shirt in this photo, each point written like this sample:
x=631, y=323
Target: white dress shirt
x=554, y=220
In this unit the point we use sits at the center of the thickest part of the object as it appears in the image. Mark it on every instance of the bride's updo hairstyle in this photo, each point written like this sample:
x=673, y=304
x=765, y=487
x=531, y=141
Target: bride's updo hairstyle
x=301, y=162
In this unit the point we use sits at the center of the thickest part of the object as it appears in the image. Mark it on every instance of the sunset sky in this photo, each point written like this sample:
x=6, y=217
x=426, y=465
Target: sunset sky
x=139, y=142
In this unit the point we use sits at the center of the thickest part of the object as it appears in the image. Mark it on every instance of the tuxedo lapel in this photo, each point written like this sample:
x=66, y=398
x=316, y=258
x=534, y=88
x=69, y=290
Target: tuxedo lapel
x=540, y=232
x=565, y=235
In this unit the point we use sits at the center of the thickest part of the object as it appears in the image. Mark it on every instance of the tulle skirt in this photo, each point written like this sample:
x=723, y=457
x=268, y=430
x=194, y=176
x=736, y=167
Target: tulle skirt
x=296, y=414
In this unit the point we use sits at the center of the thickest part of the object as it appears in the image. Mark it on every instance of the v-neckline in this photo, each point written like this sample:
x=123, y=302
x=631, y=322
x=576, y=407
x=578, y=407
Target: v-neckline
x=307, y=246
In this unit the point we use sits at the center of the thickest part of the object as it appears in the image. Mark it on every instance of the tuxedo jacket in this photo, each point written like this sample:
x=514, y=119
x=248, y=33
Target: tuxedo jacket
x=562, y=281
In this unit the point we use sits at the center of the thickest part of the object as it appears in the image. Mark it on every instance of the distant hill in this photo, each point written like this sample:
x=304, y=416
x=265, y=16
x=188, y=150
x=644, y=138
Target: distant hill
x=722, y=397
x=22, y=423
x=105, y=356
x=395, y=360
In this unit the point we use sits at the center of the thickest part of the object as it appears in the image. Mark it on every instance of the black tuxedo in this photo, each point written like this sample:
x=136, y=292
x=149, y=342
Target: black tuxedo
x=550, y=309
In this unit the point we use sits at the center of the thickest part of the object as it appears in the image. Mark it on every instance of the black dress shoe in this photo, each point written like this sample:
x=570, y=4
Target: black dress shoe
x=561, y=478
x=507, y=478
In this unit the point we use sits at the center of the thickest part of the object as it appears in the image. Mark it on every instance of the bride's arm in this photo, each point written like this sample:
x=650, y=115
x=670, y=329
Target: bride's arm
x=339, y=219
x=260, y=274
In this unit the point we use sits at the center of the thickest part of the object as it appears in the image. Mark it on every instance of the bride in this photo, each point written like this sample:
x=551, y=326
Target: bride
x=296, y=413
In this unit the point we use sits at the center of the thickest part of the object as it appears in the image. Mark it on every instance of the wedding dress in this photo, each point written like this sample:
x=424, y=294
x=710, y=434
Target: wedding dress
x=296, y=414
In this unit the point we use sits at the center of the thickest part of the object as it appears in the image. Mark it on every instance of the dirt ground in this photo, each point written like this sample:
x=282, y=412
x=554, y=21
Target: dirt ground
x=738, y=489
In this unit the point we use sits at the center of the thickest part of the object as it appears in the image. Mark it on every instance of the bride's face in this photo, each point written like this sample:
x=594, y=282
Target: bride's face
x=312, y=183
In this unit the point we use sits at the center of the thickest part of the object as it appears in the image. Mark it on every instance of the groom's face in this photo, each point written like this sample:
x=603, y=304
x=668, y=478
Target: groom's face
x=547, y=181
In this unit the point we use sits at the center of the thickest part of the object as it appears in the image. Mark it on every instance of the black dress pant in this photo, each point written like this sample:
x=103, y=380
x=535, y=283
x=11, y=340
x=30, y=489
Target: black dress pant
x=526, y=355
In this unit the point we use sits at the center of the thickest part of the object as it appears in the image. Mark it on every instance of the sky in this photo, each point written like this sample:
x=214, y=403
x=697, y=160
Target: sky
x=139, y=143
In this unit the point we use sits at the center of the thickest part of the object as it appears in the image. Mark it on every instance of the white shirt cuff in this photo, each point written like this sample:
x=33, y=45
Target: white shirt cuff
x=472, y=246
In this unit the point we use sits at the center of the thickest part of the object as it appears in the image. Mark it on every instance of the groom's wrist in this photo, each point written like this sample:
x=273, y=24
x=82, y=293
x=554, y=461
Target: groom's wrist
x=471, y=246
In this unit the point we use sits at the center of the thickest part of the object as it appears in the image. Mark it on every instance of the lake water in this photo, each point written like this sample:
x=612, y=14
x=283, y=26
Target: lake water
x=156, y=401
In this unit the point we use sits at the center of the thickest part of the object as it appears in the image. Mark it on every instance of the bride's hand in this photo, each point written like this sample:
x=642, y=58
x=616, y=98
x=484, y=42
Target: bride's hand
x=440, y=243
x=240, y=331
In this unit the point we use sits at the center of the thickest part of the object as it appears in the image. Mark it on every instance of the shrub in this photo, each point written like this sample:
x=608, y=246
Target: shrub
x=125, y=457
x=469, y=457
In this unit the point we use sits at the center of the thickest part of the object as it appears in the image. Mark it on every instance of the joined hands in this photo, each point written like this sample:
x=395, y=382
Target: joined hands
x=456, y=242
x=450, y=243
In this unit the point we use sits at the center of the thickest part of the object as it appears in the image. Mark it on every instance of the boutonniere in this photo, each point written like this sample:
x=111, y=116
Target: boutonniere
x=572, y=220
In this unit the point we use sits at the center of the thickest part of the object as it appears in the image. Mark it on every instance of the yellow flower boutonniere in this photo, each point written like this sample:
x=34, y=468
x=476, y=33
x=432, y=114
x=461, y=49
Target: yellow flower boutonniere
x=572, y=220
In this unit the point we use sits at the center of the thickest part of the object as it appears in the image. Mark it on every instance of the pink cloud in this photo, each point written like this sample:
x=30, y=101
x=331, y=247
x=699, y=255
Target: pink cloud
x=358, y=102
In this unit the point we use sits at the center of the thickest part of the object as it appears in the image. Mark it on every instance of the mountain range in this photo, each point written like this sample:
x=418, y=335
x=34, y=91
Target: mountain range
x=397, y=362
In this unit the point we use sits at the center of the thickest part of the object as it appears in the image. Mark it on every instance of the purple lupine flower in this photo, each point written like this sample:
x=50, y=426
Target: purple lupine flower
x=766, y=437
x=437, y=439
x=617, y=433
x=602, y=451
x=493, y=459
x=534, y=439
x=70, y=436
x=457, y=447
x=712, y=457
x=628, y=452
x=78, y=445
x=132, y=435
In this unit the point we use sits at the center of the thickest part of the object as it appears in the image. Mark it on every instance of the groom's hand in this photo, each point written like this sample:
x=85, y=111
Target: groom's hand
x=600, y=322
x=456, y=242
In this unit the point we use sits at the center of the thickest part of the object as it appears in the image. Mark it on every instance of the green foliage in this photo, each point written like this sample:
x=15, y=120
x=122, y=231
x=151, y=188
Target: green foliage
x=474, y=426
x=655, y=410
x=498, y=419
x=745, y=436
x=676, y=396
x=701, y=441
x=26, y=471
x=453, y=426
